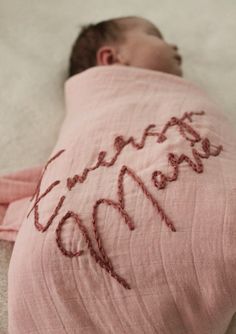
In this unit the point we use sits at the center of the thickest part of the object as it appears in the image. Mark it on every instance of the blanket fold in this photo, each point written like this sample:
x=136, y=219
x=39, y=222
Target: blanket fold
x=16, y=190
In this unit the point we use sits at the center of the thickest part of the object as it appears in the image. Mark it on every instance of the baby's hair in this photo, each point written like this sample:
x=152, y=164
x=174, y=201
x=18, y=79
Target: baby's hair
x=90, y=39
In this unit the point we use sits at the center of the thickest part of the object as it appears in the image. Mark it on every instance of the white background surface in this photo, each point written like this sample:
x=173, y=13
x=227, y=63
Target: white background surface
x=35, y=42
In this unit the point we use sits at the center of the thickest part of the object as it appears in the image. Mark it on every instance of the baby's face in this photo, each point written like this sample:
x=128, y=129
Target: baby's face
x=145, y=47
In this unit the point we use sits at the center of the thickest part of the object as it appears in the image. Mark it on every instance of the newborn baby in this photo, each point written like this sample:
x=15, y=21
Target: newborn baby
x=130, y=41
x=130, y=225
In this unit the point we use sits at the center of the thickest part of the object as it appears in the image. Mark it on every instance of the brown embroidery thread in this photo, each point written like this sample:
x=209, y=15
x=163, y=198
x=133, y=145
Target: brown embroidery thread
x=38, y=198
x=119, y=144
x=154, y=202
x=120, y=206
x=175, y=161
x=104, y=263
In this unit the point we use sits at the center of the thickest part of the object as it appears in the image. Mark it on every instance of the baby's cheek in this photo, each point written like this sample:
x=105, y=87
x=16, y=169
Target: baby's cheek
x=162, y=62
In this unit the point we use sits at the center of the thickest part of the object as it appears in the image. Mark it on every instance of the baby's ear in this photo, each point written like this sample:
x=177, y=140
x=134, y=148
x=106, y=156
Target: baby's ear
x=107, y=55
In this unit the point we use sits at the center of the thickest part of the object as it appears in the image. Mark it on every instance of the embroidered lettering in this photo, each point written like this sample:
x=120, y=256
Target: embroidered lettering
x=159, y=180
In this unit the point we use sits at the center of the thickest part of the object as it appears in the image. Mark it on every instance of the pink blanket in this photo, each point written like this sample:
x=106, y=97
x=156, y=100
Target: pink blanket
x=15, y=192
x=131, y=228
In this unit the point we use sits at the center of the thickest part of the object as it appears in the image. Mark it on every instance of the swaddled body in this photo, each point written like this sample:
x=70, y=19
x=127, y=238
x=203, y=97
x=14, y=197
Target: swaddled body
x=132, y=225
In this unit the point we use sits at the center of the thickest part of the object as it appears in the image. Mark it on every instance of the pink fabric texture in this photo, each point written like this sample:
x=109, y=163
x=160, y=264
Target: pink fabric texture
x=132, y=225
x=15, y=192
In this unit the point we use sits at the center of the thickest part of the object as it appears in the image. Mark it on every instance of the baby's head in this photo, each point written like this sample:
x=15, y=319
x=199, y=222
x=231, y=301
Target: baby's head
x=129, y=41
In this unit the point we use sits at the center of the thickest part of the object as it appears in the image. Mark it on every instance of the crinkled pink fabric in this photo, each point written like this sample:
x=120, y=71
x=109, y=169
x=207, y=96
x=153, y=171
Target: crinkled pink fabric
x=15, y=191
x=132, y=227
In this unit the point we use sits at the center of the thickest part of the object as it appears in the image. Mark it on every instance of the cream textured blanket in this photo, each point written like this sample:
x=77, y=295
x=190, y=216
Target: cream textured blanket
x=131, y=225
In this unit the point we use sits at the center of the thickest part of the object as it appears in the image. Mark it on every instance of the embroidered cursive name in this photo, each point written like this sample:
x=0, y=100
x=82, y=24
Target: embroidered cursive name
x=159, y=180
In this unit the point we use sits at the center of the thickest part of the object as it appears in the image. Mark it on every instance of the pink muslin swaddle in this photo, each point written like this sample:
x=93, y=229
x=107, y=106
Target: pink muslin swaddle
x=133, y=221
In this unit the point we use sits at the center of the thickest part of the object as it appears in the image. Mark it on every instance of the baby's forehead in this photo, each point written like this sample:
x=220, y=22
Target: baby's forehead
x=138, y=22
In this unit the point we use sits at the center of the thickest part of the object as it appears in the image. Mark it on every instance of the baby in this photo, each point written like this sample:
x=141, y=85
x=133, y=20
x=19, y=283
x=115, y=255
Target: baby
x=130, y=41
x=121, y=230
